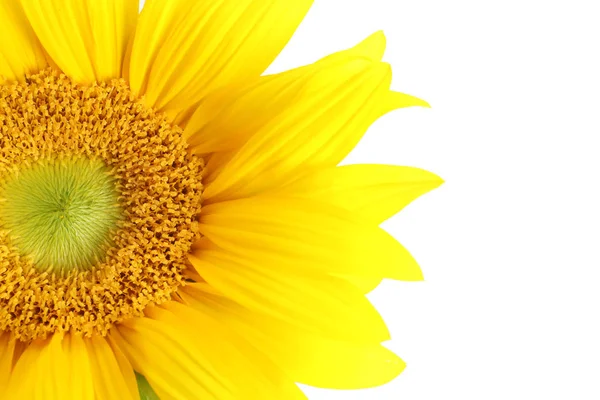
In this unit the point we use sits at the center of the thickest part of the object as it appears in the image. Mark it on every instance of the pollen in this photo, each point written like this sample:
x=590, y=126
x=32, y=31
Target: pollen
x=99, y=203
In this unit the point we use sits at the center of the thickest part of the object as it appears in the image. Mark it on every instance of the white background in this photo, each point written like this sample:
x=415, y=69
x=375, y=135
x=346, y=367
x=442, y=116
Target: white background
x=510, y=244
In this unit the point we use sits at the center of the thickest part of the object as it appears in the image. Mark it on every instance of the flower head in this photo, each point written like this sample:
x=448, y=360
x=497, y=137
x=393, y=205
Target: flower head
x=174, y=224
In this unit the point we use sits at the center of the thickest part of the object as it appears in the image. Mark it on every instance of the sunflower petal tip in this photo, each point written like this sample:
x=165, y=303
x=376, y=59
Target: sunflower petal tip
x=379, y=37
x=412, y=274
x=436, y=179
x=415, y=101
x=397, y=100
x=373, y=46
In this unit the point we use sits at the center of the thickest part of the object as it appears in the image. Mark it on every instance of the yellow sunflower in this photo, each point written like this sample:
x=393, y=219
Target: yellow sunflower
x=173, y=225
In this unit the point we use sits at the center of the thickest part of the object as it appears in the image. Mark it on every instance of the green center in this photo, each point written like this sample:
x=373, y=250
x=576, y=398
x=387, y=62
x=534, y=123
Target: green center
x=62, y=213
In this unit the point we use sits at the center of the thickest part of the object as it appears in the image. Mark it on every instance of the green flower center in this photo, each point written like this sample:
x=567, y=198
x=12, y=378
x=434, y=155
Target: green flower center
x=62, y=212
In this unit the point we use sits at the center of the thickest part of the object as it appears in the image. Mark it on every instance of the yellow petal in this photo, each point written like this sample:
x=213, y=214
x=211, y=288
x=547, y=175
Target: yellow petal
x=125, y=368
x=228, y=117
x=20, y=51
x=372, y=47
x=22, y=383
x=53, y=369
x=7, y=351
x=86, y=39
x=319, y=303
x=373, y=192
x=306, y=357
x=395, y=100
x=364, y=284
x=110, y=381
x=78, y=368
x=166, y=349
x=333, y=107
x=224, y=121
x=326, y=363
x=318, y=130
x=300, y=235
x=184, y=49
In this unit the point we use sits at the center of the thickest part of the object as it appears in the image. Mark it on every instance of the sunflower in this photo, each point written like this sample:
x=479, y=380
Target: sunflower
x=173, y=225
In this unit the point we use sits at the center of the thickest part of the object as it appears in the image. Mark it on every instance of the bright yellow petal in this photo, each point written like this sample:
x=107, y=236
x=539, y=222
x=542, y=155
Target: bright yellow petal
x=326, y=363
x=224, y=121
x=86, y=39
x=54, y=369
x=319, y=303
x=7, y=351
x=336, y=107
x=22, y=383
x=79, y=371
x=166, y=349
x=228, y=117
x=184, y=49
x=109, y=380
x=303, y=235
x=364, y=284
x=20, y=51
x=125, y=368
x=374, y=192
x=306, y=357
x=372, y=47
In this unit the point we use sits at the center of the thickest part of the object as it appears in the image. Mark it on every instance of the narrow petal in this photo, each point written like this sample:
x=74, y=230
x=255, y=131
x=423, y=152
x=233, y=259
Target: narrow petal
x=184, y=49
x=372, y=47
x=7, y=351
x=336, y=105
x=335, y=109
x=86, y=39
x=319, y=303
x=109, y=380
x=306, y=357
x=299, y=235
x=364, y=284
x=228, y=117
x=53, y=369
x=125, y=368
x=20, y=50
x=165, y=348
x=373, y=192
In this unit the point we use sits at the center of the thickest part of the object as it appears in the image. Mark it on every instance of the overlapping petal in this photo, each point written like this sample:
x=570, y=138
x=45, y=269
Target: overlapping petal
x=113, y=375
x=53, y=369
x=318, y=129
x=86, y=39
x=20, y=50
x=228, y=117
x=373, y=192
x=297, y=234
x=315, y=302
x=307, y=357
x=184, y=49
x=7, y=350
x=165, y=347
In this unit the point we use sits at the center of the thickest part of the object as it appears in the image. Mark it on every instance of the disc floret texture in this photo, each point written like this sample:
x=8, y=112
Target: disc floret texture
x=100, y=204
